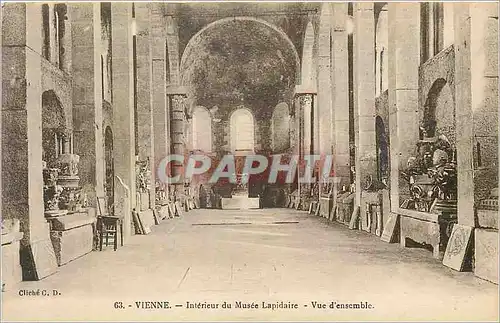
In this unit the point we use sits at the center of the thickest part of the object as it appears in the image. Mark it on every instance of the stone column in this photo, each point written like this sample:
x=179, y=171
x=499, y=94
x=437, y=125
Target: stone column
x=476, y=88
x=324, y=106
x=87, y=100
x=1, y=112
x=123, y=111
x=144, y=95
x=404, y=58
x=159, y=68
x=66, y=44
x=54, y=55
x=364, y=95
x=306, y=102
x=22, y=181
x=177, y=97
x=340, y=96
x=476, y=104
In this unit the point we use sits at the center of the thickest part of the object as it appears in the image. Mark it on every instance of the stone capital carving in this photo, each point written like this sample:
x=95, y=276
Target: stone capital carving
x=178, y=99
x=305, y=100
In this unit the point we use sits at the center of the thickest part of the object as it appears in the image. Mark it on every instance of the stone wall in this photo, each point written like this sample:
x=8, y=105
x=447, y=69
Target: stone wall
x=437, y=91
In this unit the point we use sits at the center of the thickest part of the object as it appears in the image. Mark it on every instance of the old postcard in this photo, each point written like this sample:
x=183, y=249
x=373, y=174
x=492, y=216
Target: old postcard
x=249, y=161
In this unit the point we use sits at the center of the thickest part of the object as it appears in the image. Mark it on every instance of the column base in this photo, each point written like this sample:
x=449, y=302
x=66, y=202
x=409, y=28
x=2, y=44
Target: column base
x=38, y=259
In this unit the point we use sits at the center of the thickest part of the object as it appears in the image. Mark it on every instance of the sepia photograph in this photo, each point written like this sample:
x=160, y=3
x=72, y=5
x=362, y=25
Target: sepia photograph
x=249, y=161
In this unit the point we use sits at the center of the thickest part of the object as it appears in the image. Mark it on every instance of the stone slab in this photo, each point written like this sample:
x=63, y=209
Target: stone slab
x=72, y=244
x=486, y=254
x=240, y=203
x=71, y=221
x=147, y=220
x=355, y=218
x=458, y=247
x=163, y=212
x=144, y=201
x=391, y=228
x=11, y=265
x=487, y=219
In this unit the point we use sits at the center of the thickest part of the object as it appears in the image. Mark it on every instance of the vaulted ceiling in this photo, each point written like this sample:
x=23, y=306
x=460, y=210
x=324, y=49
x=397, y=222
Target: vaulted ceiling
x=241, y=61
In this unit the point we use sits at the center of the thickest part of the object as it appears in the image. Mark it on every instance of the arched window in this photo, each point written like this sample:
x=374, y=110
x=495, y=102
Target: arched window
x=280, y=128
x=242, y=130
x=202, y=129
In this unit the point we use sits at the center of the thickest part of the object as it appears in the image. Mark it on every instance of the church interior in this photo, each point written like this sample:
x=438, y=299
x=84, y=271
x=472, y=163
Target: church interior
x=404, y=96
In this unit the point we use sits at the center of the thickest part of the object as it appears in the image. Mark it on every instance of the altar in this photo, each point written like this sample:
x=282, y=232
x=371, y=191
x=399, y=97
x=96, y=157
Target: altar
x=240, y=199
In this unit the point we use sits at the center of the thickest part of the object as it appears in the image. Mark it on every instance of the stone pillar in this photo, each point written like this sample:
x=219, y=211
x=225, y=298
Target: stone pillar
x=144, y=95
x=292, y=124
x=324, y=106
x=404, y=47
x=476, y=88
x=340, y=96
x=54, y=55
x=22, y=181
x=123, y=110
x=66, y=45
x=161, y=118
x=87, y=100
x=476, y=104
x=173, y=46
x=306, y=102
x=177, y=97
x=1, y=112
x=364, y=95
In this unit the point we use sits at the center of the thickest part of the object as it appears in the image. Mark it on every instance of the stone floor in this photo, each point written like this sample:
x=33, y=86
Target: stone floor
x=266, y=256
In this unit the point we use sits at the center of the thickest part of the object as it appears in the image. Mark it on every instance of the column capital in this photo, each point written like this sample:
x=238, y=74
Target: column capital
x=305, y=90
x=176, y=90
x=305, y=98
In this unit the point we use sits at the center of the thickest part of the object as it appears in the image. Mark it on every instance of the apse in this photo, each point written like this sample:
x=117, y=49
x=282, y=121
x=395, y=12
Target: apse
x=239, y=62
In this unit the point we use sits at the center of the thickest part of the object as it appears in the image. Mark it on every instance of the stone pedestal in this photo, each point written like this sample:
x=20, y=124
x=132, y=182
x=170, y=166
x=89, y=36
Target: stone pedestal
x=240, y=203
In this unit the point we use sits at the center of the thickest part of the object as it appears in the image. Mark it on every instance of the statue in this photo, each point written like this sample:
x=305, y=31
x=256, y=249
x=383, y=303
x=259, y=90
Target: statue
x=431, y=174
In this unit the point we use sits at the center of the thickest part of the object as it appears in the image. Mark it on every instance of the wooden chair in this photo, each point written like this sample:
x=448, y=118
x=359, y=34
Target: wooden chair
x=108, y=226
